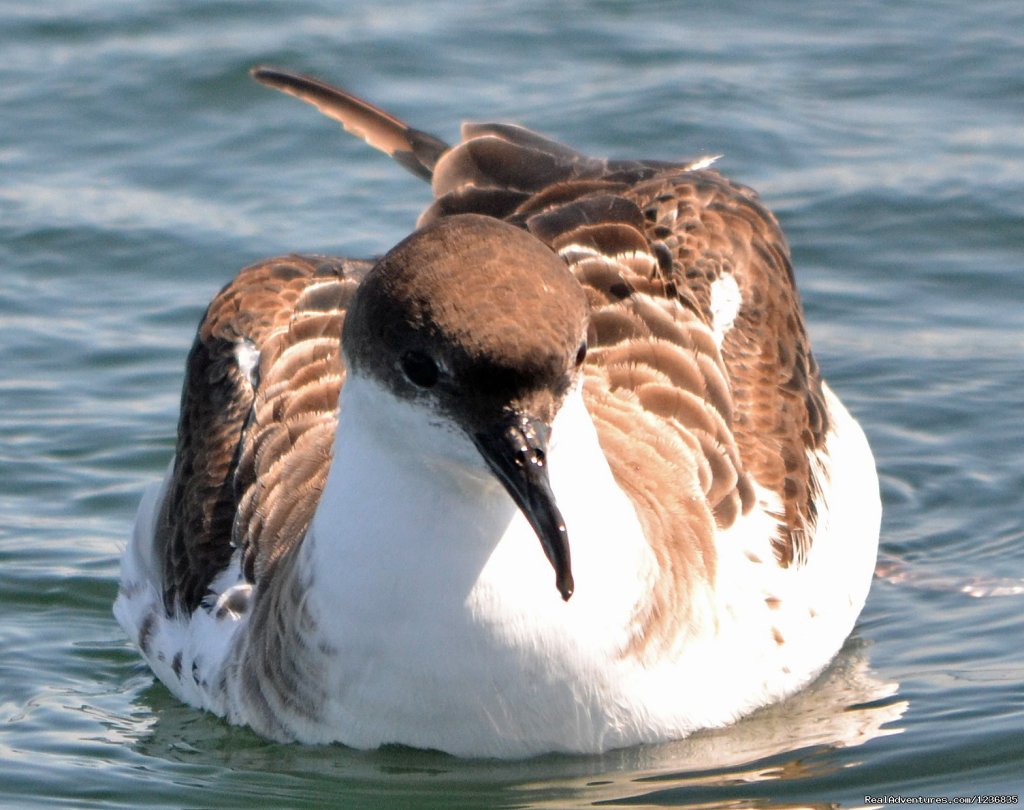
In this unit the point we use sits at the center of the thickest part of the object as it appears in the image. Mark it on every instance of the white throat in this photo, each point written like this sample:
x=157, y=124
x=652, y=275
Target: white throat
x=407, y=513
x=411, y=513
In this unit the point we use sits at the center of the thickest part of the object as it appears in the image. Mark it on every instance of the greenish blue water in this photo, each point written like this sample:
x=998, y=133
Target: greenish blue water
x=140, y=168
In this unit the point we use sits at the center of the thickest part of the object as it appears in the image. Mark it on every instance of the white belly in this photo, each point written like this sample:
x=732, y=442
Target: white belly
x=425, y=631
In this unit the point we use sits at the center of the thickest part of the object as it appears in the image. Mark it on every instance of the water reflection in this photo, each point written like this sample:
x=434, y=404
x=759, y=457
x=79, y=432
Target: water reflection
x=845, y=707
x=791, y=742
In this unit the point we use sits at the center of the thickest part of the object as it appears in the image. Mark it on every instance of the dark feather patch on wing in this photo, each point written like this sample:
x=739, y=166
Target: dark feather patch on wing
x=277, y=308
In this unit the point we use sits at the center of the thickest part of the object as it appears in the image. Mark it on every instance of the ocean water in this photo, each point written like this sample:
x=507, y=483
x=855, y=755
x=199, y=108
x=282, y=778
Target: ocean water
x=140, y=167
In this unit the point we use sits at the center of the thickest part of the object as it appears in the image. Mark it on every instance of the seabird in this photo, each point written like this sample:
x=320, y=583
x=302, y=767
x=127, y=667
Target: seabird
x=558, y=473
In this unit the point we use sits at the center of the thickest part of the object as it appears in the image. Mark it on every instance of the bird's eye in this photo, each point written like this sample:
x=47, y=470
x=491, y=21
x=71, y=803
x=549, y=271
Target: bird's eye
x=420, y=369
x=581, y=353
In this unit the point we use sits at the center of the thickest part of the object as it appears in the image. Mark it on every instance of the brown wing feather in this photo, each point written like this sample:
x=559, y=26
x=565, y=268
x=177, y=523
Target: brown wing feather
x=748, y=412
x=779, y=408
x=242, y=434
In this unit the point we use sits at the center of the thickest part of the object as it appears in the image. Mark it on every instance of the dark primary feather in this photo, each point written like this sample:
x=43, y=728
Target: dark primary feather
x=416, y=151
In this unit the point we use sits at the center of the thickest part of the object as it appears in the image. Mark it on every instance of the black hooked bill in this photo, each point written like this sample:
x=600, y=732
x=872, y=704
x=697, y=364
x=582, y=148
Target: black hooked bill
x=516, y=451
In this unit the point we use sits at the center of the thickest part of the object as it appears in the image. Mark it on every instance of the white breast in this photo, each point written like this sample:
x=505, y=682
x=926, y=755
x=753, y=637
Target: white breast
x=437, y=591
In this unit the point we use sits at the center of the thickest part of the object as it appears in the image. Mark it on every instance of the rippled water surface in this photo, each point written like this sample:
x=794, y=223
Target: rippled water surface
x=140, y=167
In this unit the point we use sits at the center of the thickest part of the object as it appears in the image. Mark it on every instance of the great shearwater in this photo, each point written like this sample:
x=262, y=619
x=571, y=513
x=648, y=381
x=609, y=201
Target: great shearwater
x=596, y=369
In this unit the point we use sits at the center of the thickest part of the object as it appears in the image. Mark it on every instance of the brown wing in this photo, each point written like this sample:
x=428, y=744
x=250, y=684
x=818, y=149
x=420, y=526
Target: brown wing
x=257, y=420
x=773, y=406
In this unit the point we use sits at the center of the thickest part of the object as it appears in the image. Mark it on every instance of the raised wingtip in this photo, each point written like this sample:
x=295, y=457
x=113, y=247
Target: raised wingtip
x=279, y=77
x=257, y=71
x=415, y=150
x=260, y=72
